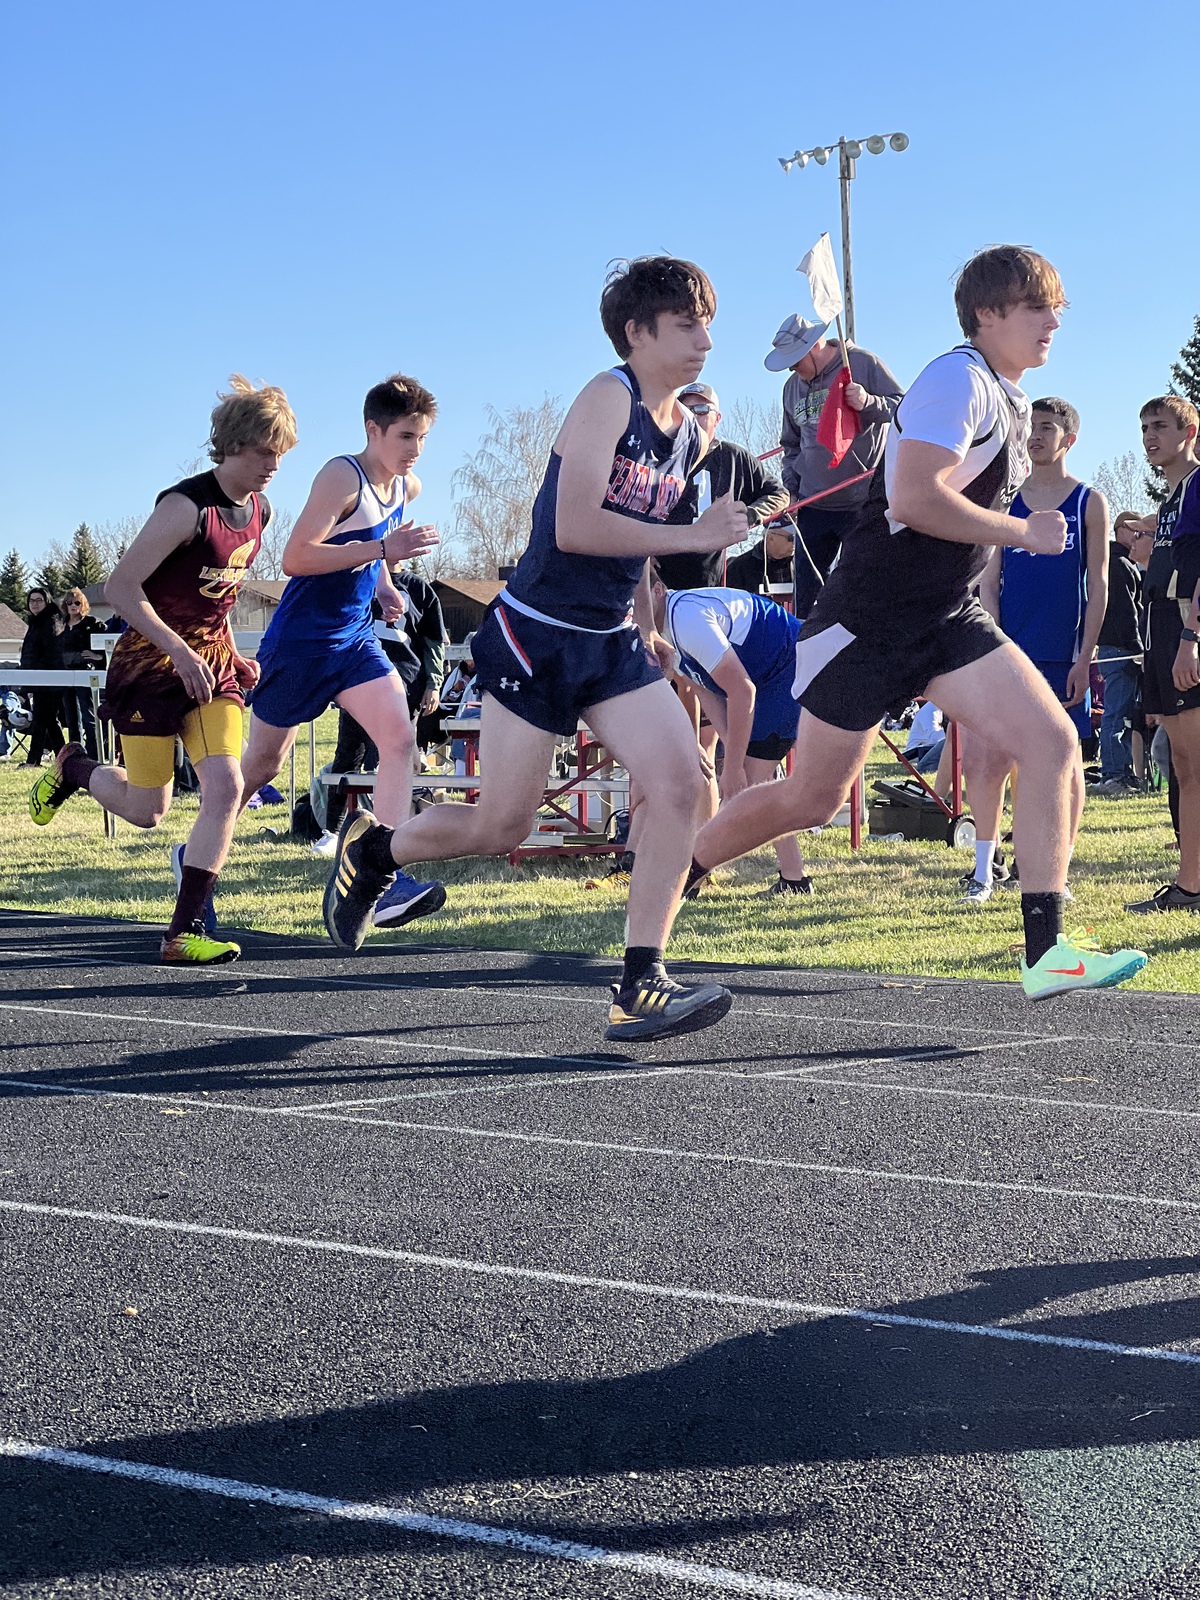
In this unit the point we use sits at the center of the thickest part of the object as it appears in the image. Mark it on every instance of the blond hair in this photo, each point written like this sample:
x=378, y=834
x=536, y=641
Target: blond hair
x=248, y=417
x=76, y=594
x=1172, y=405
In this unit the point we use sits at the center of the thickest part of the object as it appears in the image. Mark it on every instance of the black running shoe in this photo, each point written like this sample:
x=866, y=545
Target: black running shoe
x=784, y=885
x=657, y=1007
x=1169, y=898
x=354, y=887
x=695, y=882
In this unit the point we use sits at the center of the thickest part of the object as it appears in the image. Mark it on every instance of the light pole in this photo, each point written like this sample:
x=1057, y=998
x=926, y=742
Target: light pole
x=848, y=152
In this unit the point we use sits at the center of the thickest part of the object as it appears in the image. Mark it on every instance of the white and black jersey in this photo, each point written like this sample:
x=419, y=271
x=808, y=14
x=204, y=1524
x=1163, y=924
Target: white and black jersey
x=895, y=578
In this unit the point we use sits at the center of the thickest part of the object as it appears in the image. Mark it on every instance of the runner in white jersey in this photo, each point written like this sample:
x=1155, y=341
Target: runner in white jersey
x=898, y=617
x=321, y=644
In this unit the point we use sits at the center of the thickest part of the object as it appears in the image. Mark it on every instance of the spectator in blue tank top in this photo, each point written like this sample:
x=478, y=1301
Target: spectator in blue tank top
x=1052, y=607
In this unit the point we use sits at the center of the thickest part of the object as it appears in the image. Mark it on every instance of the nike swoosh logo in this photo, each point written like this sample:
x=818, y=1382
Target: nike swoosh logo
x=1068, y=972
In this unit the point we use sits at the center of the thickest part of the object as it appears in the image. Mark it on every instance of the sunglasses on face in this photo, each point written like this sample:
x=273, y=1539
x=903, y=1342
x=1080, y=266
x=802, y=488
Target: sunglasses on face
x=701, y=411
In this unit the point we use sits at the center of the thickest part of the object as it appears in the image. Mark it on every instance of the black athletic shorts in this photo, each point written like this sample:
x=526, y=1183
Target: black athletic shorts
x=1160, y=697
x=548, y=676
x=771, y=748
x=853, y=682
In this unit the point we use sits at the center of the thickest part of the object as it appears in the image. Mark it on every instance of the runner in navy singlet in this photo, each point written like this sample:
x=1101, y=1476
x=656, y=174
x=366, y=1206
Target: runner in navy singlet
x=898, y=617
x=1052, y=607
x=321, y=644
x=561, y=642
x=176, y=670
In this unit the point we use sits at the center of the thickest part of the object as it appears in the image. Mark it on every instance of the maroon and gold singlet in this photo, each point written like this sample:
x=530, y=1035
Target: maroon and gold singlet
x=193, y=591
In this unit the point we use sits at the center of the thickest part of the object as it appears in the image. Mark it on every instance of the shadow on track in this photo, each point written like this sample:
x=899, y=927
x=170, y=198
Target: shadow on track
x=817, y=1392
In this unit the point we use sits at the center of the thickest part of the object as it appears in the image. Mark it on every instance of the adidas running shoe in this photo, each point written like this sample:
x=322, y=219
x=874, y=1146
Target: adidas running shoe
x=208, y=917
x=657, y=1007
x=1075, y=961
x=52, y=789
x=406, y=900
x=352, y=891
x=194, y=948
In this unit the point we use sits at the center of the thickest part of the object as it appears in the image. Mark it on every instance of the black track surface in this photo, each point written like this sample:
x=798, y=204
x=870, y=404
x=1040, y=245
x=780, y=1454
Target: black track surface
x=909, y=1148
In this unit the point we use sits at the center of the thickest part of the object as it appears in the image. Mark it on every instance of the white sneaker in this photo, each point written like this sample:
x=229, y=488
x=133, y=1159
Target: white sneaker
x=326, y=845
x=974, y=893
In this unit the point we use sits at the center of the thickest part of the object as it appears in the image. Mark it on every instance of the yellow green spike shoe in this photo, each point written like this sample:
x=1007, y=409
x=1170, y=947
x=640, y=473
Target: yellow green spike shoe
x=52, y=789
x=1075, y=961
x=194, y=948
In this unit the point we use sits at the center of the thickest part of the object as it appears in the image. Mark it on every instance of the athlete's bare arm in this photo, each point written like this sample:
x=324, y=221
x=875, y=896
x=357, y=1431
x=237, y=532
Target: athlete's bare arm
x=1095, y=532
x=587, y=443
x=732, y=677
x=922, y=499
x=332, y=497
x=172, y=523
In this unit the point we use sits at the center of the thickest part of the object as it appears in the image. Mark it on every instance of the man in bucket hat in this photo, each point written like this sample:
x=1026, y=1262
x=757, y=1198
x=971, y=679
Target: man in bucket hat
x=801, y=348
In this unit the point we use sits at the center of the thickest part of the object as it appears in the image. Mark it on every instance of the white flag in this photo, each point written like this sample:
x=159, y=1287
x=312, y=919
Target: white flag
x=818, y=267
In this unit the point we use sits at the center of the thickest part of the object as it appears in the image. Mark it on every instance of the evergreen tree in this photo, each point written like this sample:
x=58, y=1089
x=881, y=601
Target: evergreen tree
x=53, y=579
x=14, y=582
x=84, y=565
x=1185, y=373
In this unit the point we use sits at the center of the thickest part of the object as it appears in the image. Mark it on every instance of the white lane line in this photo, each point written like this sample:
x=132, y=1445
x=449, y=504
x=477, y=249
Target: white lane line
x=661, y=1152
x=534, y=1544
x=633, y=1286
x=299, y=1033
x=500, y=1088
x=991, y=1094
x=949, y=1052
x=777, y=1163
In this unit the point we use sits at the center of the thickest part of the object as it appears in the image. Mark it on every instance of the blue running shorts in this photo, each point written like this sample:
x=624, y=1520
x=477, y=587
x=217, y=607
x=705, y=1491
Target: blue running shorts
x=295, y=689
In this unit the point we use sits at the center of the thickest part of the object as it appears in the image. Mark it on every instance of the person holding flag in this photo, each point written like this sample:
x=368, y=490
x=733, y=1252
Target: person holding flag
x=865, y=395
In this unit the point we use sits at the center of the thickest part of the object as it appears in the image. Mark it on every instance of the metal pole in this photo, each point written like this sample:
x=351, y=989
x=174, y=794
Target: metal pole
x=845, y=174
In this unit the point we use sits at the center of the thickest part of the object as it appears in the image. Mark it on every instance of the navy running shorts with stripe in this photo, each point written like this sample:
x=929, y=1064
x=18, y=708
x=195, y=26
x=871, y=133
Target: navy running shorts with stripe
x=295, y=689
x=549, y=676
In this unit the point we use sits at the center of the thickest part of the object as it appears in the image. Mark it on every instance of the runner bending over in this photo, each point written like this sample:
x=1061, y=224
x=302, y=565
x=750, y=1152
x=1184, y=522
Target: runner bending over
x=561, y=643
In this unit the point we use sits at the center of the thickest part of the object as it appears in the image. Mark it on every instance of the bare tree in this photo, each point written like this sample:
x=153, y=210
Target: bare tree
x=268, y=563
x=753, y=425
x=495, y=488
x=1122, y=481
x=114, y=538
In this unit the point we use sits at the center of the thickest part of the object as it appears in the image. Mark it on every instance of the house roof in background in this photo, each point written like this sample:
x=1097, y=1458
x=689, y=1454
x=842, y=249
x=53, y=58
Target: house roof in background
x=481, y=590
x=11, y=626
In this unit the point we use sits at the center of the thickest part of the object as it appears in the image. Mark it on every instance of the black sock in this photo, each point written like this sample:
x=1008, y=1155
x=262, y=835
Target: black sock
x=1043, y=918
x=76, y=774
x=194, y=890
x=377, y=849
x=695, y=873
x=640, y=959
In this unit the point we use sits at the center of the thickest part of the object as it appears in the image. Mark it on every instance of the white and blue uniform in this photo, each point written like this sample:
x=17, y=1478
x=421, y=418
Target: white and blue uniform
x=321, y=640
x=561, y=636
x=1043, y=599
x=703, y=624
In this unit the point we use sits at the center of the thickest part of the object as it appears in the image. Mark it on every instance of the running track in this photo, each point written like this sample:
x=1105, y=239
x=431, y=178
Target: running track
x=386, y=1277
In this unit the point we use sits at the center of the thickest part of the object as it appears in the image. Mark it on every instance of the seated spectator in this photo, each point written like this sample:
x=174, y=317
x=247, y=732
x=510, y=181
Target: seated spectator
x=1120, y=655
x=765, y=564
x=926, y=738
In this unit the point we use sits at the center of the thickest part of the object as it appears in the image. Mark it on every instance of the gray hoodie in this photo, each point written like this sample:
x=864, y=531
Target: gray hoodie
x=806, y=468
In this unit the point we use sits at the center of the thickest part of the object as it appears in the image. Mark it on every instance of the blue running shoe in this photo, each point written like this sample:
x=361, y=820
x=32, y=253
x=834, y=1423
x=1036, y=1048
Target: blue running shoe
x=405, y=900
x=208, y=917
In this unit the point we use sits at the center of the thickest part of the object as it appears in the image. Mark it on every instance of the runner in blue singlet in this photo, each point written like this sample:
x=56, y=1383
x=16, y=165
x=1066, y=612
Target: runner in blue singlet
x=561, y=644
x=1053, y=607
x=321, y=645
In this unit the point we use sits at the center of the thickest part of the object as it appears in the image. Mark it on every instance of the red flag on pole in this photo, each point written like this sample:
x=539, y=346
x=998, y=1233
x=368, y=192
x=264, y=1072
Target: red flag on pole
x=838, y=423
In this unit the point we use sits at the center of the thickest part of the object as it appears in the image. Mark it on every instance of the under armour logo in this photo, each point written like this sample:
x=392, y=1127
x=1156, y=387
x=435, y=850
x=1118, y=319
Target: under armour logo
x=510, y=683
x=631, y=441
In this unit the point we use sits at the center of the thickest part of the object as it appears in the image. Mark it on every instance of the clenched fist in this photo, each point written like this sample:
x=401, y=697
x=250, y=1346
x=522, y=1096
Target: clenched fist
x=1045, y=533
x=724, y=523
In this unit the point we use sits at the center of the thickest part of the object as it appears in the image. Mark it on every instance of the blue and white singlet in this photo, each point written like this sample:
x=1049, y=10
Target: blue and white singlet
x=1043, y=597
x=594, y=594
x=761, y=634
x=323, y=611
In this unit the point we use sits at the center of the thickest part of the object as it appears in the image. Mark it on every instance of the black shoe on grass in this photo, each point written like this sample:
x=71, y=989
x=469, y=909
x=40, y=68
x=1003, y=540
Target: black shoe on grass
x=657, y=1007
x=1169, y=898
x=783, y=885
x=353, y=887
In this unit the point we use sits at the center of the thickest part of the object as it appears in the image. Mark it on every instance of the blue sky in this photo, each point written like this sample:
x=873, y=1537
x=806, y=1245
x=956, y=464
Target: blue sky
x=318, y=195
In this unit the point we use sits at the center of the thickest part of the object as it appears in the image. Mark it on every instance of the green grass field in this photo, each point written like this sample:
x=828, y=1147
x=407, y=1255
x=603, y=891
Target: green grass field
x=890, y=908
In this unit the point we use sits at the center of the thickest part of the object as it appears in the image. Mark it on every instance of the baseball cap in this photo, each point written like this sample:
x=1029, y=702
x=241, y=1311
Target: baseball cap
x=703, y=389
